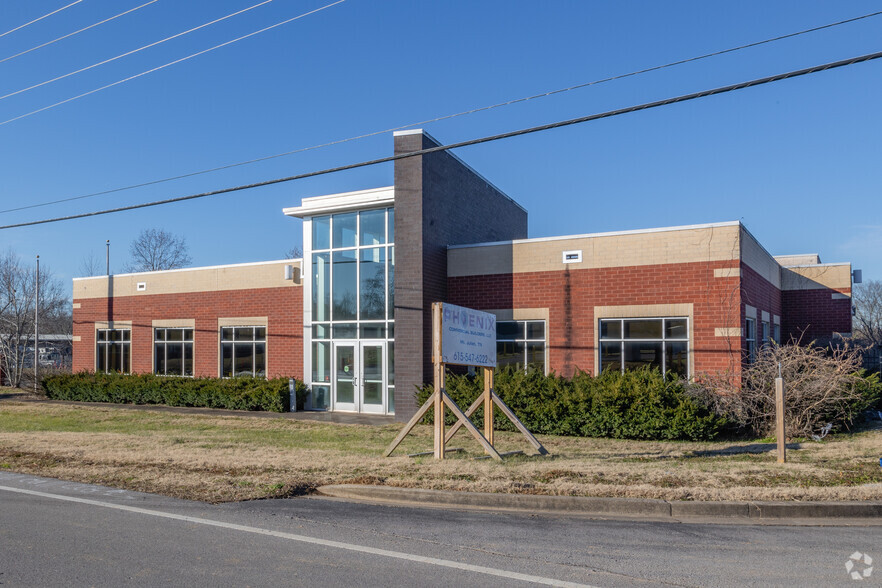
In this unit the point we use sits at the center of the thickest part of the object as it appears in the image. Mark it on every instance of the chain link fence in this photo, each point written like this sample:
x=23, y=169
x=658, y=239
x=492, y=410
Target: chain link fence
x=873, y=360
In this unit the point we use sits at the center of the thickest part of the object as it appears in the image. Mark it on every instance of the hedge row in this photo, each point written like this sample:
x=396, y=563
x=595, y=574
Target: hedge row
x=638, y=404
x=233, y=393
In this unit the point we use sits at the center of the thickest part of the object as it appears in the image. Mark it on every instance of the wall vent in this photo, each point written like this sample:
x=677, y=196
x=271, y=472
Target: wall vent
x=572, y=256
x=142, y=286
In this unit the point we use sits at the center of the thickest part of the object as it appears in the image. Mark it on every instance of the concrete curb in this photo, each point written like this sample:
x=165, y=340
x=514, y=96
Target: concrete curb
x=618, y=507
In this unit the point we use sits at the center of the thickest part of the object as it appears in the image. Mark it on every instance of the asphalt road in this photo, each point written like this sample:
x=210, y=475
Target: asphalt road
x=55, y=533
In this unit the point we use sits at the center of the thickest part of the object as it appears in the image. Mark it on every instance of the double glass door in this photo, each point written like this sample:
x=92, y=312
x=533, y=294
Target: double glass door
x=359, y=379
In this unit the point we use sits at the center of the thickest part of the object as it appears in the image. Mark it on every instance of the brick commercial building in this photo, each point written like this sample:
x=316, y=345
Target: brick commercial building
x=352, y=318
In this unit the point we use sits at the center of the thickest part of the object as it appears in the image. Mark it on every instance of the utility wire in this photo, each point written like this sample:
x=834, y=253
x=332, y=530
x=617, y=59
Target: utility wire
x=444, y=117
x=18, y=28
x=133, y=51
x=191, y=56
x=510, y=134
x=92, y=26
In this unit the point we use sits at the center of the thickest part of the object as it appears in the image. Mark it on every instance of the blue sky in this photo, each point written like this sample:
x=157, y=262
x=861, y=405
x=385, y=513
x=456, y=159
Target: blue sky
x=797, y=161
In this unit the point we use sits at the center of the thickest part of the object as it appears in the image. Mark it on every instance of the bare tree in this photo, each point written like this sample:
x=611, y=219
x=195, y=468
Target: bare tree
x=823, y=385
x=867, y=299
x=17, y=299
x=294, y=253
x=91, y=266
x=156, y=249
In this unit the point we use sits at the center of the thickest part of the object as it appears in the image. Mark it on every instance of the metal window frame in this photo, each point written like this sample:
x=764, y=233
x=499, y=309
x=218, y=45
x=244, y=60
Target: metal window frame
x=664, y=339
x=750, y=338
x=388, y=318
x=106, y=345
x=358, y=247
x=254, y=341
x=184, y=342
x=388, y=246
x=526, y=340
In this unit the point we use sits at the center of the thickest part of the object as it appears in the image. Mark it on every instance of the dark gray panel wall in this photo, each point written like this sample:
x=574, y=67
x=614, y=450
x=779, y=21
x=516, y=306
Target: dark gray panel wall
x=408, y=276
x=439, y=201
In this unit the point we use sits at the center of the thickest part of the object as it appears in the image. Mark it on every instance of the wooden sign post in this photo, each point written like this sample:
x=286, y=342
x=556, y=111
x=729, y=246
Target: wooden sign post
x=779, y=419
x=471, y=341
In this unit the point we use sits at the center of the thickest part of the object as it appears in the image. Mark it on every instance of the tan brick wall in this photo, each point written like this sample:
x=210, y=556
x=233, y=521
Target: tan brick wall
x=817, y=277
x=599, y=251
x=759, y=260
x=206, y=279
x=804, y=259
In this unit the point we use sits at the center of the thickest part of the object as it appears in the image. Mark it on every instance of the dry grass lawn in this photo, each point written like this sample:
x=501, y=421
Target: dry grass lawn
x=215, y=458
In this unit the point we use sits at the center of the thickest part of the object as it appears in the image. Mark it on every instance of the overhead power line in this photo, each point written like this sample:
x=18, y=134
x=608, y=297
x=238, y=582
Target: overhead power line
x=18, y=28
x=63, y=37
x=133, y=51
x=444, y=117
x=191, y=56
x=488, y=139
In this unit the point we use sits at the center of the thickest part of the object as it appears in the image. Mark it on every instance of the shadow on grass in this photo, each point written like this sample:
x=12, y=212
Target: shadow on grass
x=754, y=448
x=22, y=395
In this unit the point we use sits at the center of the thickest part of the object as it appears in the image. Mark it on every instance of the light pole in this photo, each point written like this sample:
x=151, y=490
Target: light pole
x=108, y=257
x=36, y=324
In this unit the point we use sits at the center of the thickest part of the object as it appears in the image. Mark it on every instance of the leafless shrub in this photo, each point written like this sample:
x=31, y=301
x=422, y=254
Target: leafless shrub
x=821, y=385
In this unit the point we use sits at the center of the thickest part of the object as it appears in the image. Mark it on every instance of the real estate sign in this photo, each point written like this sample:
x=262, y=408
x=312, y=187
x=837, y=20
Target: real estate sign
x=468, y=337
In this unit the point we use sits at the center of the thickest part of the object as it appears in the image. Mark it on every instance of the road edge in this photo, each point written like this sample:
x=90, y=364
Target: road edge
x=605, y=506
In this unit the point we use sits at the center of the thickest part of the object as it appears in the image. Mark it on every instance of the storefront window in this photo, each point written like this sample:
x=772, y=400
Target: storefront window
x=173, y=352
x=321, y=287
x=345, y=285
x=750, y=339
x=243, y=352
x=627, y=344
x=113, y=351
x=353, y=276
x=521, y=343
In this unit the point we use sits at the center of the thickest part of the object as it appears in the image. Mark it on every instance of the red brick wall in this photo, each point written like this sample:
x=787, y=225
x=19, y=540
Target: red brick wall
x=283, y=308
x=571, y=295
x=813, y=315
x=759, y=292
x=762, y=295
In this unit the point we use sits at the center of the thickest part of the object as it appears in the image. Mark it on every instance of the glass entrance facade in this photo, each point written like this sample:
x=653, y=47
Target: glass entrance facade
x=352, y=271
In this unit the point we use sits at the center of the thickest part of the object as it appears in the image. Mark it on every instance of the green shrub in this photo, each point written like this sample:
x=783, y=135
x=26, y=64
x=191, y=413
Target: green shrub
x=870, y=390
x=233, y=393
x=639, y=404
